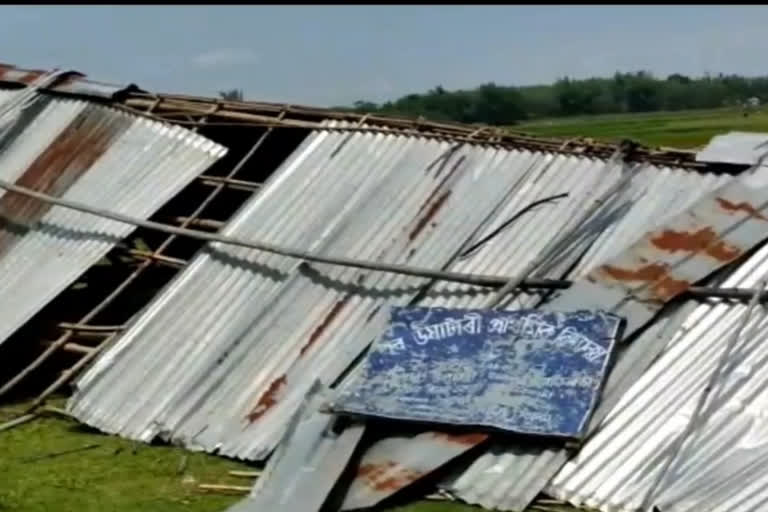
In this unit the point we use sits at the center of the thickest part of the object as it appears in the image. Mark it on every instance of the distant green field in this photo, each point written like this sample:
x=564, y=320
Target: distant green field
x=686, y=129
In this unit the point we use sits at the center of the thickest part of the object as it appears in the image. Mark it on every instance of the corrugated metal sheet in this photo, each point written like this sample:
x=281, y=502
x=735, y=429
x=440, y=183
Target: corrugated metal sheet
x=73, y=83
x=722, y=465
x=716, y=210
x=307, y=463
x=509, y=476
x=742, y=148
x=653, y=195
x=505, y=473
x=676, y=256
x=245, y=334
x=386, y=467
x=81, y=152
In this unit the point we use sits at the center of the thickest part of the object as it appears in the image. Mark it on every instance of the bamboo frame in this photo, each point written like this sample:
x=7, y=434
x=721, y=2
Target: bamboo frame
x=492, y=281
x=148, y=259
x=234, y=113
x=200, y=111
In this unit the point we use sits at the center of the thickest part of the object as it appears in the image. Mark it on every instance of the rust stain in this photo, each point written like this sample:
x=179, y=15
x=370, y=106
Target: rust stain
x=740, y=207
x=454, y=167
x=320, y=329
x=442, y=161
x=372, y=314
x=387, y=476
x=429, y=214
x=56, y=169
x=30, y=77
x=664, y=286
x=704, y=240
x=268, y=399
x=669, y=288
x=648, y=273
x=440, y=185
x=463, y=439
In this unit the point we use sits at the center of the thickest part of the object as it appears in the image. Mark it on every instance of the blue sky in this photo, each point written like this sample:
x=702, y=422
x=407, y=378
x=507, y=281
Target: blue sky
x=330, y=55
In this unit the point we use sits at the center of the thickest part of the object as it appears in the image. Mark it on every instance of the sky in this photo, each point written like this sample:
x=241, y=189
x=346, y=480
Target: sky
x=335, y=55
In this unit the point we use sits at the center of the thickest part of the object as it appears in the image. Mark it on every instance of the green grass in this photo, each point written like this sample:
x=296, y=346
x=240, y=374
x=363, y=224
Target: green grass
x=116, y=476
x=687, y=129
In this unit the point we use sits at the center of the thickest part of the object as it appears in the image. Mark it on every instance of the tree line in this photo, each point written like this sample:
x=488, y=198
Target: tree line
x=622, y=93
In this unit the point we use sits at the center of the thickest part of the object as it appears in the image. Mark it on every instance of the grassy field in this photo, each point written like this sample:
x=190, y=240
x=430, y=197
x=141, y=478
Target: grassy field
x=52, y=464
x=687, y=129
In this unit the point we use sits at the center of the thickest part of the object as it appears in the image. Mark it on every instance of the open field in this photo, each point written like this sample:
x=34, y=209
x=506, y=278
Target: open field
x=685, y=129
x=54, y=464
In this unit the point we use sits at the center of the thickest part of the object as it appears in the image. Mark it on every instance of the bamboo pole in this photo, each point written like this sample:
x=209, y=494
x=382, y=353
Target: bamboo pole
x=202, y=223
x=236, y=489
x=458, y=277
x=147, y=256
x=91, y=328
x=249, y=186
x=17, y=421
x=245, y=474
x=76, y=348
x=246, y=113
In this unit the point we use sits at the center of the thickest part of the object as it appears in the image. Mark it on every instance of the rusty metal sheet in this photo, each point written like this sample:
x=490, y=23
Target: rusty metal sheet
x=265, y=326
x=72, y=83
x=84, y=152
x=501, y=476
x=385, y=468
x=308, y=461
x=523, y=371
x=635, y=284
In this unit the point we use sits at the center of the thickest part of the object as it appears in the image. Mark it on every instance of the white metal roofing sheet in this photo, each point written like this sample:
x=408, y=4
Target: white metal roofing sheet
x=245, y=333
x=628, y=215
x=82, y=152
x=477, y=484
x=722, y=466
x=741, y=148
x=306, y=465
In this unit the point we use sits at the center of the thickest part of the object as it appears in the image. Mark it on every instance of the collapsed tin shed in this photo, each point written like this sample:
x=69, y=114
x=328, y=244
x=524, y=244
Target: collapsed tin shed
x=323, y=346
x=222, y=357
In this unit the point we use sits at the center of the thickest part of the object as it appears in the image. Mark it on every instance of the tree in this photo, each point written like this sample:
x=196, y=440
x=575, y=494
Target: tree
x=498, y=105
x=364, y=107
x=643, y=93
x=572, y=98
x=637, y=91
x=232, y=95
x=677, y=77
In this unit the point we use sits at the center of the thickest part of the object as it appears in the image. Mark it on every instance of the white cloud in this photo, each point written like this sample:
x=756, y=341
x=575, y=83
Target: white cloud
x=224, y=57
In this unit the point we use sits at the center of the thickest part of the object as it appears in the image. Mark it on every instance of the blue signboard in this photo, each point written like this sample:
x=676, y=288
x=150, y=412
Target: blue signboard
x=524, y=371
